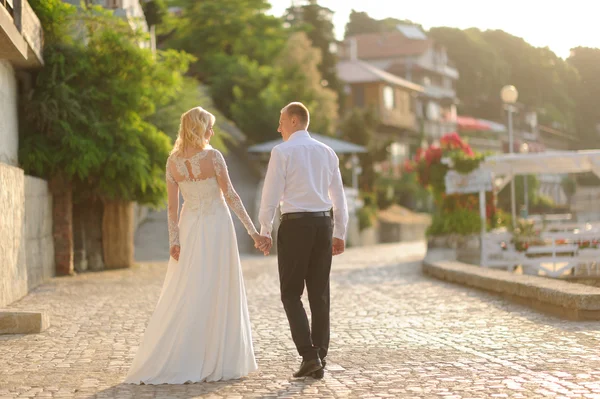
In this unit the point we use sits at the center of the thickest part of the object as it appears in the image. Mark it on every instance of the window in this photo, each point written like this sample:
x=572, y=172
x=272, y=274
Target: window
x=8, y=4
x=112, y=4
x=389, y=100
x=398, y=153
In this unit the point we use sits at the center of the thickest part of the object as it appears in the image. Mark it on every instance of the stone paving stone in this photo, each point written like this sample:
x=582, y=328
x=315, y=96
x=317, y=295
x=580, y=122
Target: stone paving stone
x=395, y=334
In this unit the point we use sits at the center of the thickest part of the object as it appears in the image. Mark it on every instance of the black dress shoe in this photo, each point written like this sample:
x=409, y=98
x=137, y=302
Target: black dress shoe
x=308, y=367
x=319, y=374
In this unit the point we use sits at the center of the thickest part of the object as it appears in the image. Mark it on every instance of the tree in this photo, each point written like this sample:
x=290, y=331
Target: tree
x=587, y=62
x=317, y=22
x=88, y=108
x=234, y=28
x=488, y=60
x=359, y=127
x=86, y=128
x=360, y=22
x=155, y=11
x=295, y=77
x=190, y=94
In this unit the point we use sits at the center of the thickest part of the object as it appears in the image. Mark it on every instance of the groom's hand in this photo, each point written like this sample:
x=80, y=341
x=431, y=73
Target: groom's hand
x=263, y=243
x=266, y=245
x=338, y=246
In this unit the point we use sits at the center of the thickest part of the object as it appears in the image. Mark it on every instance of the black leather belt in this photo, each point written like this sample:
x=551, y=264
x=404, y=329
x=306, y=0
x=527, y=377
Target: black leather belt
x=298, y=215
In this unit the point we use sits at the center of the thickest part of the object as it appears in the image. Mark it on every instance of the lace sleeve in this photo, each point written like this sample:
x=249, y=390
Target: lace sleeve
x=173, y=207
x=231, y=196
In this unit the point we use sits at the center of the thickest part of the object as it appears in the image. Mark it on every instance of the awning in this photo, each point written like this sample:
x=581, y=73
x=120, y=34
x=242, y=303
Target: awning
x=337, y=145
x=469, y=123
x=552, y=162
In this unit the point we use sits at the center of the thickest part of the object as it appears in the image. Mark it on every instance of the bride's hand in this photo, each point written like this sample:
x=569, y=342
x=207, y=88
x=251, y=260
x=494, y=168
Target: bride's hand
x=258, y=240
x=174, y=251
x=262, y=243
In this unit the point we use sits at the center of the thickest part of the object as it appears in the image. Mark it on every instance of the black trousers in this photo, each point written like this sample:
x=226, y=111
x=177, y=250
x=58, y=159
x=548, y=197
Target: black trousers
x=304, y=256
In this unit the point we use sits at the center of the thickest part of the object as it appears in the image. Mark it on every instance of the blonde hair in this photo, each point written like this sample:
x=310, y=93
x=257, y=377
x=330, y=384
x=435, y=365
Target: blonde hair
x=192, y=129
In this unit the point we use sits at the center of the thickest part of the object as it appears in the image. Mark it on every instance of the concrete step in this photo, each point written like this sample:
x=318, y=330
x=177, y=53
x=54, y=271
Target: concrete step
x=22, y=322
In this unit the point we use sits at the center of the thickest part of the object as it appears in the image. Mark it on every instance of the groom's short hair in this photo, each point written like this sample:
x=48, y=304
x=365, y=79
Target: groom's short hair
x=298, y=110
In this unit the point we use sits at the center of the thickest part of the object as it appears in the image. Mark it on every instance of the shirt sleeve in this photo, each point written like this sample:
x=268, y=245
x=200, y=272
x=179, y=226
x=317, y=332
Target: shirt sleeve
x=338, y=197
x=272, y=192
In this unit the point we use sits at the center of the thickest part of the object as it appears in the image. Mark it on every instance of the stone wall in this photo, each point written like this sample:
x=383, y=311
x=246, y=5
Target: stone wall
x=39, y=242
x=140, y=214
x=9, y=132
x=13, y=276
x=26, y=244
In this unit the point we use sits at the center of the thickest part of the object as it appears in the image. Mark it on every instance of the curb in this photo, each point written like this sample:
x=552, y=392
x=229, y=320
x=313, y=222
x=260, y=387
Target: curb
x=560, y=298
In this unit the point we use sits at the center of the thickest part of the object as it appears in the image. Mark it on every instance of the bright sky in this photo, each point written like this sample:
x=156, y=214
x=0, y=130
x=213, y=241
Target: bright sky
x=559, y=25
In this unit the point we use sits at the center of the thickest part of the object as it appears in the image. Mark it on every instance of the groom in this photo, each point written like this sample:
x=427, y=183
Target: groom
x=304, y=175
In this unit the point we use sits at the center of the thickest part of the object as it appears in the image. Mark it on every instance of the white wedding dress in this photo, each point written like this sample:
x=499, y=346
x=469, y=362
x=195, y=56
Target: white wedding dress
x=200, y=329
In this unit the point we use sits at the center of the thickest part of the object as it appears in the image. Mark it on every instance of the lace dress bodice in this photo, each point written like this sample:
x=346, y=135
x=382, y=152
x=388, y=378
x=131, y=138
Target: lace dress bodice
x=204, y=183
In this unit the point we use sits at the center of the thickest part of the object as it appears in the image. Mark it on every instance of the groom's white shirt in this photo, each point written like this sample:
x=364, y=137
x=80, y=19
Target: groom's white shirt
x=304, y=175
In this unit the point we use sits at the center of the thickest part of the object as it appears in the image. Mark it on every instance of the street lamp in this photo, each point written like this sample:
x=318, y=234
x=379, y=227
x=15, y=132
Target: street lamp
x=525, y=150
x=509, y=95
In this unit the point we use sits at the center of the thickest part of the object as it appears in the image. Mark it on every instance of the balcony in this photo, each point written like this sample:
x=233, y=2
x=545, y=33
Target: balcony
x=435, y=129
x=21, y=35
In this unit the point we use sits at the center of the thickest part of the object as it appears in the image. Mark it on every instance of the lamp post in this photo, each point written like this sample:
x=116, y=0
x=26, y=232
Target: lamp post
x=509, y=95
x=525, y=150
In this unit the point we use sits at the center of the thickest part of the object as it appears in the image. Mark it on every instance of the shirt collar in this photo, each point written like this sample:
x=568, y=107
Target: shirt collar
x=298, y=134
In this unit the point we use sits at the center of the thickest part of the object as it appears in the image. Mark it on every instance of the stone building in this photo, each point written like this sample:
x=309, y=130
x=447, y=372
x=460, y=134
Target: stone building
x=26, y=244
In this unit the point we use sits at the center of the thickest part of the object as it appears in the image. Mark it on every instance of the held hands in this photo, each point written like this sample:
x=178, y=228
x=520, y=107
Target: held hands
x=174, y=252
x=338, y=246
x=262, y=243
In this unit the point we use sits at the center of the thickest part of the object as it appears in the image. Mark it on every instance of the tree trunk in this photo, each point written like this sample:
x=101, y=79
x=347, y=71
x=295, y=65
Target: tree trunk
x=62, y=224
x=117, y=234
x=87, y=226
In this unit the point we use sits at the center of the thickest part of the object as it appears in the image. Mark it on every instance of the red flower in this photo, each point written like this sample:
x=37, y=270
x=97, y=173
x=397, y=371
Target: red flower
x=408, y=167
x=433, y=154
x=451, y=140
x=418, y=154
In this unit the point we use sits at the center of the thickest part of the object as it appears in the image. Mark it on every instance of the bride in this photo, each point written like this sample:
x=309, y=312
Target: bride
x=200, y=329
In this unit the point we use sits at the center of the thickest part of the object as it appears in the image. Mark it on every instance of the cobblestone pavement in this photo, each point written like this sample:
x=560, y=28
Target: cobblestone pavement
x=395, y=333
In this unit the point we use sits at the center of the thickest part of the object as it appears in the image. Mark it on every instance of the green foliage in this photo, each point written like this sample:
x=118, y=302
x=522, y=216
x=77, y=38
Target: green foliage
x=464, y=163
x=56, y=18
x=488, y=60
x=543, y=204
x=564, y=92
x=461, y=221
x=234, y=28
x=569, y=186
x=359, y=127
x=360, y=22
x=317, y=22
x=155, y=11
x=254, y=66
x=410, y=194
x=405, y=191
x=533, y=185
x=294, y=77
x=368, y=213
x=587, y=62
x=86, y=116
x=190, y=94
